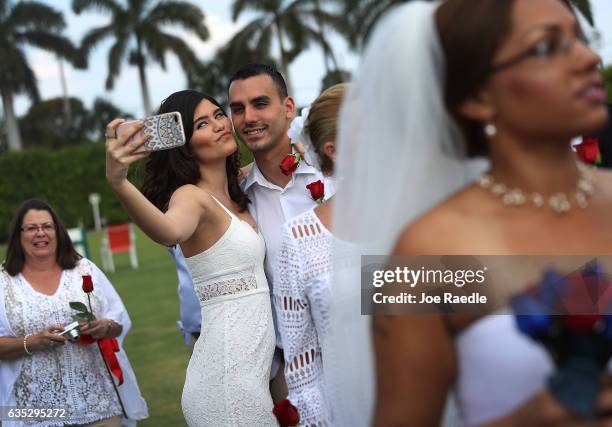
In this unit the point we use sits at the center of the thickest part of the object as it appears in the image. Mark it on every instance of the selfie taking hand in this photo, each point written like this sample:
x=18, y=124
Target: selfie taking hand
x=120, y=151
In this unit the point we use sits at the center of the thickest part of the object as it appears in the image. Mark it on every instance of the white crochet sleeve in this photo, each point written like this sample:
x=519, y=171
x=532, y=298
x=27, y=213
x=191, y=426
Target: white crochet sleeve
x=297, y=327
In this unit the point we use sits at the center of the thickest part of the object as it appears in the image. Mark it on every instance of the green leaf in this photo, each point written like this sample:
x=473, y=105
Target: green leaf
x=84, y=317
x=79, y=306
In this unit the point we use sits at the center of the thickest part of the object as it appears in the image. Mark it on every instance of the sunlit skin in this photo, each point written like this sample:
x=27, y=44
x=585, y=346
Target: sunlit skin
x=538, y=105
x=261, y=118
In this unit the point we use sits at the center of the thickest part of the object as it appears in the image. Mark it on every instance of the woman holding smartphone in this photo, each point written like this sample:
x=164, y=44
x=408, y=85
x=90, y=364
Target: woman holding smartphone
x=191, y=197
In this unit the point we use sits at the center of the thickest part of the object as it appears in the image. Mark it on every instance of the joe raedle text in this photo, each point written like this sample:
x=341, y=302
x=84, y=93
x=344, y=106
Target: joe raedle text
x=409, y=286
x=426, y=298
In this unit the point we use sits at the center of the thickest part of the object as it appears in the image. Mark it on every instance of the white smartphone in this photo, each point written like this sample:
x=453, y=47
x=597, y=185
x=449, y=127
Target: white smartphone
x=165, y=130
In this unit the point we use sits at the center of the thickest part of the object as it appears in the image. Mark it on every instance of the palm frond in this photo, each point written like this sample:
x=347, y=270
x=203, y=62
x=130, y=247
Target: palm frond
x=115, y=57
x=103, y=6
x=179, y=13
x=184, y=53
x=16, y=74
x=249, y=33
x=35, y=16
x=95, y=36
x=265, y=6
x=59, y=45
x=150, y=35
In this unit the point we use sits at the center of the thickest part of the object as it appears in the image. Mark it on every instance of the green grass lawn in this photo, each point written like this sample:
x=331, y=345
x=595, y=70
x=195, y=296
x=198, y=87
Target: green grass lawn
x=154, y=345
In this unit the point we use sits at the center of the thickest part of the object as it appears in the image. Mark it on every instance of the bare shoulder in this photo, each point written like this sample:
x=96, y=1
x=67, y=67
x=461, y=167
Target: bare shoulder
x=190, y=194
x=445, y=228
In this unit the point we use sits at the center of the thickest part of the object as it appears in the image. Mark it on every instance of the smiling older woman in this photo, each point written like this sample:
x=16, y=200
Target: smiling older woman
x=42, y=273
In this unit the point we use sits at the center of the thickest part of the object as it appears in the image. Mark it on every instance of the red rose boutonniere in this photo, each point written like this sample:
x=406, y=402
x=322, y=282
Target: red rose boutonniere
x=290, y=163
x=588, y=151
x=317, y=191
x=286, y=414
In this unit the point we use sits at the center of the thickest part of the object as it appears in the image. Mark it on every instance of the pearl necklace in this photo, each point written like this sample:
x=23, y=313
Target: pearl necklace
x=558, y=202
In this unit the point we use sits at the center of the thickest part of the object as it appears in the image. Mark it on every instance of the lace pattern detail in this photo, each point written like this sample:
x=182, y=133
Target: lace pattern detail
x=302, y=299
x=230, y=284
x=71, y=376
x=227, y=380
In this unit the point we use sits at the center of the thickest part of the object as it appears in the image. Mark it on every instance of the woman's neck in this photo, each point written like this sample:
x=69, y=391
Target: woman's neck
x=39, y=265
x=324, y=213
x=214, y=178
x=545, y=167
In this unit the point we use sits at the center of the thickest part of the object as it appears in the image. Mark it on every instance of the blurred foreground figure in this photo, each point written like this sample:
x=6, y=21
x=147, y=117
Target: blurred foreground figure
x=510, y=81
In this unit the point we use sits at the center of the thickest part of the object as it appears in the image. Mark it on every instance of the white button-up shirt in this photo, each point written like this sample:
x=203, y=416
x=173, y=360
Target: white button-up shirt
x=272, y=205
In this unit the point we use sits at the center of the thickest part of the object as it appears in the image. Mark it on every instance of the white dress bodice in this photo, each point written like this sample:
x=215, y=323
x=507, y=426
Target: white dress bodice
x=499, y=368
x=227, y=378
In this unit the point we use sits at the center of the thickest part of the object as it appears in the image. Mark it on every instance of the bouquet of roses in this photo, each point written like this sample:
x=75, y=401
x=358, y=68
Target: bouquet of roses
x=571, y=316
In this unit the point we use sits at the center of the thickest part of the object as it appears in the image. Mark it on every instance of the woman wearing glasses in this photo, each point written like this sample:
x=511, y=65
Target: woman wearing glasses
x=39, y=368
x=512, y=81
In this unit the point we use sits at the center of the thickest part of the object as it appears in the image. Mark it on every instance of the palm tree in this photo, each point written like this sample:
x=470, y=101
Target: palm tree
x=21, y=24
x=292, y=24
x=137, y=35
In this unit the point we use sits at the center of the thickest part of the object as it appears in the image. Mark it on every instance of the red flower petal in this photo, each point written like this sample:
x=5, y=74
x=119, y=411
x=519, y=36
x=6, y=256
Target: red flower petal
x=286, y=414
x=87, y=284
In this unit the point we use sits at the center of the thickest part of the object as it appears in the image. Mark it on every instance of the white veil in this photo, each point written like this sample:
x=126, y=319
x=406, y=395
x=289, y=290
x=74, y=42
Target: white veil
x=400, y=154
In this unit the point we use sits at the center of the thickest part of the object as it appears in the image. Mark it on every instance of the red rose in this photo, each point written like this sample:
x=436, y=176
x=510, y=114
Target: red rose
x=588, y=151
x=286, y=414
x=87, y=284
x=582, y=323
x=289, y=164
x=317, y=191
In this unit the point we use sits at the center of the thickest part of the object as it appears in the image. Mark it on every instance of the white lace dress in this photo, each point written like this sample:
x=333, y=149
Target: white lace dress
x=302, y=301
x=227, y=377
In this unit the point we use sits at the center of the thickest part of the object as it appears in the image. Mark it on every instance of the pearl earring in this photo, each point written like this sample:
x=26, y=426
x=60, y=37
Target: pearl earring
x=490, y=130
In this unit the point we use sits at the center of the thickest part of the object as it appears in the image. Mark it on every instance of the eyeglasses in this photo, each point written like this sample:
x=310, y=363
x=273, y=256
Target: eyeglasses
x=555, y=44
x=33, y=228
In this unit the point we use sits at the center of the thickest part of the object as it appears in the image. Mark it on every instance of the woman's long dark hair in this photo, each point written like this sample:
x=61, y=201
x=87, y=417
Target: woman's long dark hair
x=166, y=171
x=65, y=255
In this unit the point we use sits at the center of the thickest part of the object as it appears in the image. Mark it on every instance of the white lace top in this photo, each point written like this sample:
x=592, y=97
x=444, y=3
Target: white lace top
x=72, y=376
x=302, y=300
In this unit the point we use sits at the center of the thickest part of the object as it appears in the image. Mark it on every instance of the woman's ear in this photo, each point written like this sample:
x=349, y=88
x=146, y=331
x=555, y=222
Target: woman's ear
x=478, y=108
x=329, y=149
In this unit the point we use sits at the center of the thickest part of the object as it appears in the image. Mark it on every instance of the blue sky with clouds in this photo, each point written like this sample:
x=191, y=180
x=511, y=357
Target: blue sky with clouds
x=306, y=71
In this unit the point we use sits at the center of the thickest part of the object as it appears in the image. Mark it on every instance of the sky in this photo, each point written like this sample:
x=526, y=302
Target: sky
x=306, y=71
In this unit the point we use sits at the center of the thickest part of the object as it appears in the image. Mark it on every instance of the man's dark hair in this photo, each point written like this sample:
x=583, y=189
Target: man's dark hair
x=252, y=70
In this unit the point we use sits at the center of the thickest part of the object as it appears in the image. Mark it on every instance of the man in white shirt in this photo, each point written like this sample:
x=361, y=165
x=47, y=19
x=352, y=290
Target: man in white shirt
x=261, y=114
